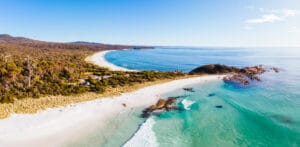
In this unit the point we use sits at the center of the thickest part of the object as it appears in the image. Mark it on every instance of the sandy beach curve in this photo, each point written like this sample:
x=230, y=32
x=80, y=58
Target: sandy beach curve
x=99, y=59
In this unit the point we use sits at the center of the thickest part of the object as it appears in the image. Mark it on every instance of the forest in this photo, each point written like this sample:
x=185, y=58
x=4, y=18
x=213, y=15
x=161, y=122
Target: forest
x=33, y=69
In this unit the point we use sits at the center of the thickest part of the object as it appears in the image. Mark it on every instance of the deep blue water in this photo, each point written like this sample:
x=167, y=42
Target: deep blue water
x=185, y=59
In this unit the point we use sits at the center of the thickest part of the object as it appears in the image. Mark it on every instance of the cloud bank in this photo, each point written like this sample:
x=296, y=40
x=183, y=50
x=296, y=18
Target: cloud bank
x=273, y=16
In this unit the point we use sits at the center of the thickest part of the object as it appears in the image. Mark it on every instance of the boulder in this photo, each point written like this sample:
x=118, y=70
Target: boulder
x=161, y=103
x=170, y=101
x=152, y=108
x=275, y=69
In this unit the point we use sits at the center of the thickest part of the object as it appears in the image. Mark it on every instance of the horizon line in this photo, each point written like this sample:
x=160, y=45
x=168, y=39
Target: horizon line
x=162, y=46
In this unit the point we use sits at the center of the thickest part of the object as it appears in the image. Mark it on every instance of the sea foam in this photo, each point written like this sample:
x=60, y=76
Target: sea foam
x=144, y=137
x=187, y=104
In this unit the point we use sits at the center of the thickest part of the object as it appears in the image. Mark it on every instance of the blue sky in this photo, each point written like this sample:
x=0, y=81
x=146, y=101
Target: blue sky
x=156, y=22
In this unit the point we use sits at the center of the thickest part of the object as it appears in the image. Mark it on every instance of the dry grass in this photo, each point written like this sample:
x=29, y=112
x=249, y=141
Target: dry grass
x=31, y=105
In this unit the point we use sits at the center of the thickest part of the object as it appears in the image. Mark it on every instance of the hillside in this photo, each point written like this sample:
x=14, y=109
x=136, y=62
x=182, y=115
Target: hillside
x=31, y=69
x=7, y=39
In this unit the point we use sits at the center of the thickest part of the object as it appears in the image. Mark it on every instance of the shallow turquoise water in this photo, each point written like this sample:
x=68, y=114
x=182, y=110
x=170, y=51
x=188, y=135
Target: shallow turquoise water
x=119, y=130
x=265, y=113
x=249, y=117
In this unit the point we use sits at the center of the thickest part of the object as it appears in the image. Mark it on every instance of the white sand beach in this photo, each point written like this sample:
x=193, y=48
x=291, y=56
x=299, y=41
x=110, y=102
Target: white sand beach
x=98, y=59
x=58, y=126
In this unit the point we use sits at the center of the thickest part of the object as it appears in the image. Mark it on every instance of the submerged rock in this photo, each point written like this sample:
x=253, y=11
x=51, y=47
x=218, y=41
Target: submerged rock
x=275, y=69
x=211, y=94
x=181, y=96
x=145, y=115
x=188, y=89
x=236, y=78
x=219, y=106
x=282, y=118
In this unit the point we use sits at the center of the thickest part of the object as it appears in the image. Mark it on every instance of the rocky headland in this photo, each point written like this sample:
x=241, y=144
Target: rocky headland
x=234, y=74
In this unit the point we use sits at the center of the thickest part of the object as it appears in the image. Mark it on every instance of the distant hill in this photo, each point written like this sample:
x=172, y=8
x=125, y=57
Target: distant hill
x=88, y=43
x=78, y=45
x=5, y=38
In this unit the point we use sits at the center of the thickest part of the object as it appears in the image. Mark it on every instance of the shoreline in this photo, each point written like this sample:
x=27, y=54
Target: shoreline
x=99, y=59
x=65, y=124
x=59, y=125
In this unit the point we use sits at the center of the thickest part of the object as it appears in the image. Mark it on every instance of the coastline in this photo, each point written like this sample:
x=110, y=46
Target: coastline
x=99, y=59
x=64, y=124
x=57, y=126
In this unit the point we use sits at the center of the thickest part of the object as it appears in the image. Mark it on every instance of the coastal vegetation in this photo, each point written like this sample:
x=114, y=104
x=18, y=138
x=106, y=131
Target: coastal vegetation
x=32, y=69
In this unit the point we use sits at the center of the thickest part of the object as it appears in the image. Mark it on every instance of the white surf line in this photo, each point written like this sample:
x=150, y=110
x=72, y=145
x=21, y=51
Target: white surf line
x=144, y=136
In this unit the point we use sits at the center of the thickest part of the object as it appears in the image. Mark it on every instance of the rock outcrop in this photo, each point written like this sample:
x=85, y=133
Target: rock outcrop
x=246, y=74
x=234, y=74
x=161, y=104
x=214, y=69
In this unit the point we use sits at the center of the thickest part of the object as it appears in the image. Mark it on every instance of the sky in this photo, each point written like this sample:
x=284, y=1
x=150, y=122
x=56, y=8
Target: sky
x=155, y=22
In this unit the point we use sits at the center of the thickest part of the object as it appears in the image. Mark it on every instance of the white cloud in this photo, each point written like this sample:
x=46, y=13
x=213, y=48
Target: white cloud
x=290, y=12
x=272, y=16
x=265, y=18
x=293, y=29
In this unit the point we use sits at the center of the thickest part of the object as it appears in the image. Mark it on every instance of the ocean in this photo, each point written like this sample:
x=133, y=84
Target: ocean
x=265, y=113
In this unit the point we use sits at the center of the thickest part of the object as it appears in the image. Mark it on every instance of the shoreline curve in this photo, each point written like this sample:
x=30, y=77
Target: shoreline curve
x=99, y=59
x=59, y=126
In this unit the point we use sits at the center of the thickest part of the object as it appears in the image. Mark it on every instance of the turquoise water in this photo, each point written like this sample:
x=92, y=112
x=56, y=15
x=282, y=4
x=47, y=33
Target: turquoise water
x=119, y=130
x=265, y=113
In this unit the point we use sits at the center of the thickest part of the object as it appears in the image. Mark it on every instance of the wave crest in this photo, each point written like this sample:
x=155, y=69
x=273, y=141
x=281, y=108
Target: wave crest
x=144, y=136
